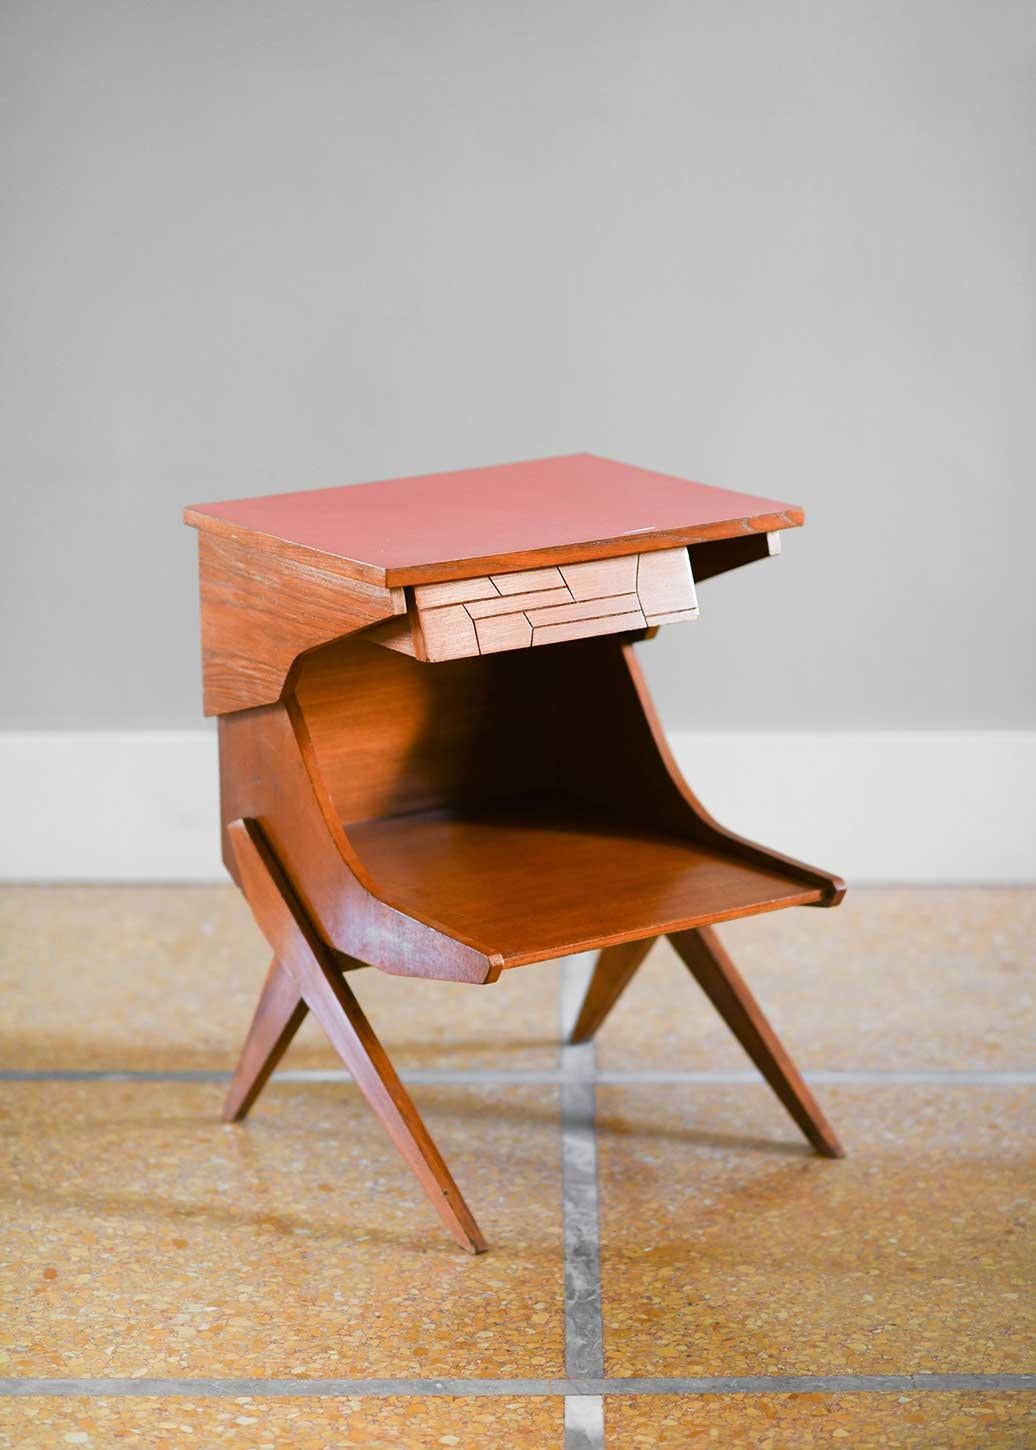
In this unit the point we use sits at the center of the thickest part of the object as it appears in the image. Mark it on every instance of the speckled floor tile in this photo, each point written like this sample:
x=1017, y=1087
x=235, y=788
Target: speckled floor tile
x=168, y=976
x=284, y=1424
x=889, y=979
x=143, y=1237
x=729, y=1249
x=807, y=1422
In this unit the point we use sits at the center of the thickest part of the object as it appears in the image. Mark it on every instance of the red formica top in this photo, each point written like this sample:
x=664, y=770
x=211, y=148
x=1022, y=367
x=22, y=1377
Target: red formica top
x=512, y=515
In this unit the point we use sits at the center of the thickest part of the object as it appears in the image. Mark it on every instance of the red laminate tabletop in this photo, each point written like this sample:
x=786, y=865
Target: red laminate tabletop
x=479, y=520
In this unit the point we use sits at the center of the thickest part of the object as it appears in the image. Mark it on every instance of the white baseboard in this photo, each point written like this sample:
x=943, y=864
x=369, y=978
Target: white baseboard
x=877, y=806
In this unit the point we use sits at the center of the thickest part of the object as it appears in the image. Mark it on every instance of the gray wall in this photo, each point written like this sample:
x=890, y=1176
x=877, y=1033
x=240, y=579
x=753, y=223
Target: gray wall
x=782, y=248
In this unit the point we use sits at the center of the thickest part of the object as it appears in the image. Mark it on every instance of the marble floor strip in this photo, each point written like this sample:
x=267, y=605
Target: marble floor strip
x=550, y=1077
x=584, y=1323
x=584, y=1422
x=581, y=1388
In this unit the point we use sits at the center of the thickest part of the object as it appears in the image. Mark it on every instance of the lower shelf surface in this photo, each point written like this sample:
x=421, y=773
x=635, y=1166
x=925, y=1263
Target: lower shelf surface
x=535, y=879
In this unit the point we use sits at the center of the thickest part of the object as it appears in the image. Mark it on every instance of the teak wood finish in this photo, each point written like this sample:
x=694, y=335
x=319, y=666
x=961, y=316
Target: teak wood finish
x=453, y=768
x=314, y=975
x=709, y=963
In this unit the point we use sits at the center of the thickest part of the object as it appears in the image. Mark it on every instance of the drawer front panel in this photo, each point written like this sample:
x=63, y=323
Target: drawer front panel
x=531, y=607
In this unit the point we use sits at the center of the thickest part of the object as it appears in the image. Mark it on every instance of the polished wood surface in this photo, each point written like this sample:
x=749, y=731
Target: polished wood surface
x=709, y=963
x=535, y=879
x=380, y=763
x=390, y=735
x=469, y=790
x=314, y=973
x=259, y=613
x=486, y=520
x=268, y=773
x=601, y=681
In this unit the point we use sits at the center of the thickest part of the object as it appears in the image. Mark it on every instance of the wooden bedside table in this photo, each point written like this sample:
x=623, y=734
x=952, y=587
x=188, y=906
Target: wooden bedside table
x=438, y=756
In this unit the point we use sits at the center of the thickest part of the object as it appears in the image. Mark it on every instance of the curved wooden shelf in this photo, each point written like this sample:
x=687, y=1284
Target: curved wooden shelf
x=497, y=811
x=542, y=877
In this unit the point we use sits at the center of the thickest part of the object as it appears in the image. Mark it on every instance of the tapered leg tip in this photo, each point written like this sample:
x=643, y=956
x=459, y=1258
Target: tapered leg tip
x=470, y=1243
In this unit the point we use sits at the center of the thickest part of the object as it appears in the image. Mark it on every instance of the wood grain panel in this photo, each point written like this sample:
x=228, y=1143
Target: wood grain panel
x=602, y=577
x=260, y=613
x=392, y=735
x=601, y=680
x=446, y=634
x=539, y=878
x=665, y=584
x=475, y=803
x=651, y=589
x=583, y=629
x=457, y=591
x=523, y=581
x=400, y=635
x=269, y=773
x=588, y=609
x=515, y=603
x=503, y=632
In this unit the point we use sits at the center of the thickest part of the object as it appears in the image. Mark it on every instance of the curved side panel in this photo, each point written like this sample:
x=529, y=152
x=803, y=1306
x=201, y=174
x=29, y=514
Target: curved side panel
x=266, y=776
x=618, y=755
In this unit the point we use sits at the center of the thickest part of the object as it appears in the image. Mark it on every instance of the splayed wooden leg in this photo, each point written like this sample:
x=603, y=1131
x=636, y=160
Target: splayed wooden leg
x=279, y=1014
x=613, y=971
x=324, y=991
x=708, y=962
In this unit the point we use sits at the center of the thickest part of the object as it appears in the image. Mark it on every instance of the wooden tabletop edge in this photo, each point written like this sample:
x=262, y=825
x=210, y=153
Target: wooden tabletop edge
x=577, y=552
x=441, y=571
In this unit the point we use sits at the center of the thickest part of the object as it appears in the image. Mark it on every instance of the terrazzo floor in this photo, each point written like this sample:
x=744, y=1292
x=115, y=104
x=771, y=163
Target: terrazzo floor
x=166, y=1280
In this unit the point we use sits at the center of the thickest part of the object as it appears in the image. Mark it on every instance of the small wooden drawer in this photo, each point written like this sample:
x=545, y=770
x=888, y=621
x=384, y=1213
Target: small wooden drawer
x=466, y=617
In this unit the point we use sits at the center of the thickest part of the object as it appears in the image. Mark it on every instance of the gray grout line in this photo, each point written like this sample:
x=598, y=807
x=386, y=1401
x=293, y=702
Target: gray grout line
x=584, y=1333
x=101, y=1074
x=947, y=1077
x=584, y=1422
x=571, y=1386
x=584, y=1315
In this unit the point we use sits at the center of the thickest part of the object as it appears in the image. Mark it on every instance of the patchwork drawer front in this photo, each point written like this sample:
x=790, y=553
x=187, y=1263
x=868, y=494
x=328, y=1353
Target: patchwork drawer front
x=530, y=607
